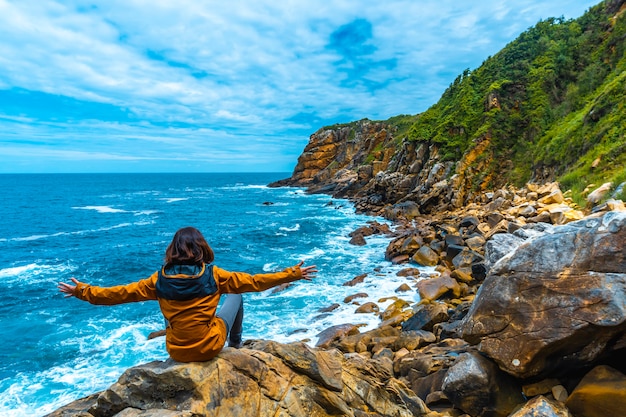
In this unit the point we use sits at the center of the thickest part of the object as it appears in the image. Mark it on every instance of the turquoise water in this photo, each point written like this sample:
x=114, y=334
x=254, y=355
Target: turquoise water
x=110, y=229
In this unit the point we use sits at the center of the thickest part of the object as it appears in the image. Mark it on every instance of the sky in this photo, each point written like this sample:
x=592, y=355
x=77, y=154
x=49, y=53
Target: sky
x=227, y=86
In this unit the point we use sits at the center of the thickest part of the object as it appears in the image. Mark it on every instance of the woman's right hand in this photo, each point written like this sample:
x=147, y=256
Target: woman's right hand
x=68, y=289
x=308, y=272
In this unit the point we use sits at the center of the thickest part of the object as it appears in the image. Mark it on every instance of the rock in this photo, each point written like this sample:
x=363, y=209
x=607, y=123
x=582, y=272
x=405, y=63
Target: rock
x=431, y=358
x=476, y=385
x=425, y=385
x=353, y=297
x=463, y=274
x=475, y=243
x=407, y=210
x=616, y=205
x=453, y=250
x=466, y=258
x=556, y=303
x=425, y=256
x=361, y=342
x=356, y=280
x=358, y=240
x=156, y=334
x=288, y=380
x=539, y=388
x=598, y=194
x=493, y=219
x=281, y=287
x=404, y=288
x=554, y=197
x=528, y=211
x=335, y=333
x=469, y=222
x=367, y=308
x=412, y=339
x=559, y=392
x=409, y=272
x=499, y=246
x=542, y=407
x=433, y=288
x=425, y=316
x=330, y=308
x=362, y=231
x=601, y=393
x=394, y=309
x=543, y=217
x=479, y=271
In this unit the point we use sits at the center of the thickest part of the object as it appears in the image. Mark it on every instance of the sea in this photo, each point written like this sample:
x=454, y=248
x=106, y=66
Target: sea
x=112, y=229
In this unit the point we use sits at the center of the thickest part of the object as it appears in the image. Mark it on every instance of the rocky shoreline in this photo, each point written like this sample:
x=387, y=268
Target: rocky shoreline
x=525, y=316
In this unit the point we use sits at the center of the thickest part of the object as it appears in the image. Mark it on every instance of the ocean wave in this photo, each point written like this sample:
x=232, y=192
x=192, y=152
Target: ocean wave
x=98, y=365
x=26, y=273
x=145, y=212
x=81, y=232
x=241, y=186
x=290, y=229
x=174, y=199
x=101, y=209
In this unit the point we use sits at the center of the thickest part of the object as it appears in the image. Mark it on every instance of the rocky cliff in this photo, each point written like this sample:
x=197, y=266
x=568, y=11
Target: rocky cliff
x=548, y=107
x=366, y=162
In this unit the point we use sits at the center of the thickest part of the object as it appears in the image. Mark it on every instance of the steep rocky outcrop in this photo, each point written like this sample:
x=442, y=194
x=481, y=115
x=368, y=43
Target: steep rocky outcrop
x=364, y=161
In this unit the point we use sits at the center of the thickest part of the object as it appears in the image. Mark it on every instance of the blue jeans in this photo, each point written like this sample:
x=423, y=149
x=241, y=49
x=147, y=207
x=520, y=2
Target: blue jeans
x=231, y=313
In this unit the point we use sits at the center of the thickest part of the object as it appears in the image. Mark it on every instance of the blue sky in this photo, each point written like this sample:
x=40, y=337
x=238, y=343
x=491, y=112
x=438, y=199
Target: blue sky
x=237, y=86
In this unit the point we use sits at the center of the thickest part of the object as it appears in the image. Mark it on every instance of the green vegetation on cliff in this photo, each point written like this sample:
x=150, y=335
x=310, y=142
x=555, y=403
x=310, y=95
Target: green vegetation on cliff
x=551, y=104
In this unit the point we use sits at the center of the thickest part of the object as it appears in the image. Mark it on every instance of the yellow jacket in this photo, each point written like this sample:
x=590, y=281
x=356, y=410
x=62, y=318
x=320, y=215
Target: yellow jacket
x=193, y=333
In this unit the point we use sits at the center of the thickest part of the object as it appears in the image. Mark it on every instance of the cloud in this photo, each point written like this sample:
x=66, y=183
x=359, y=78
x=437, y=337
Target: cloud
x=249, y=79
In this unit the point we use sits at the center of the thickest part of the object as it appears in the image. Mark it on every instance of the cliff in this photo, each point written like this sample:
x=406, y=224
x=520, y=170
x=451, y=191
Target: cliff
x=548, y=107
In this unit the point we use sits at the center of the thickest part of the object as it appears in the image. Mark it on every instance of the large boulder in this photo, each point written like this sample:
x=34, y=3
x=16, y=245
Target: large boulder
x=272, y=379
x=557, y=303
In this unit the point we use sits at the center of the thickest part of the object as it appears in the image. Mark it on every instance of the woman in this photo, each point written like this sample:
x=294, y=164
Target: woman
x=188, y=289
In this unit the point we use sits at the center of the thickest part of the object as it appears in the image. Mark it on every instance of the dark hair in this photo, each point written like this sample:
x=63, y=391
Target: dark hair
x=188, y=247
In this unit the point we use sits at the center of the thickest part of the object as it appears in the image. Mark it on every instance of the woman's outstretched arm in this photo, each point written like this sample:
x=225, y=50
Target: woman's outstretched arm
x=238, y=282
x=137, y=291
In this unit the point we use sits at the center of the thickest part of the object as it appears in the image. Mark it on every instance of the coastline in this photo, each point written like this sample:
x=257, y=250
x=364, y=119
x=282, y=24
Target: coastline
x=437, y=324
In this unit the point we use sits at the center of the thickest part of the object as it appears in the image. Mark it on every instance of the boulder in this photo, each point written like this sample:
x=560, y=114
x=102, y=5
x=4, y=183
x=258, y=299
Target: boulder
x=425, y=316
x=476, y=385
x=556, y=303
x=334, y=333
x=500, y=245
x=356, y=280
x=541, y=406
x=433, y=288
x=425, y=256
x=271, y=379
x=601, y=393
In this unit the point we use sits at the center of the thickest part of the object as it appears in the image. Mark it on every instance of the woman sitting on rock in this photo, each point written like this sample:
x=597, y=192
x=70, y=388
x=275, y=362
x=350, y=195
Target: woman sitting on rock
x=188, y=289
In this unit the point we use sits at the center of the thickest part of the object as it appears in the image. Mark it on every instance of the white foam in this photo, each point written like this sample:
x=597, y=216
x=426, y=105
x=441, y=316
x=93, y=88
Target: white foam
x=290, y=229
x=101, y=209
x=145, y=212
x=82, y=232
x=174, y=199
x=26, y=273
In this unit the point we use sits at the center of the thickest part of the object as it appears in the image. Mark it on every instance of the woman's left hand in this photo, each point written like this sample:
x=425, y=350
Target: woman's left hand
x=68, y=289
